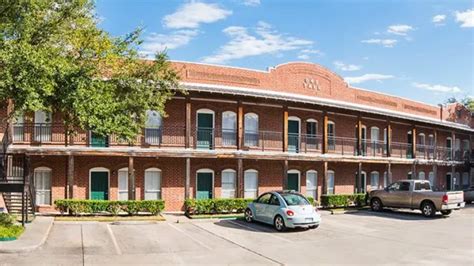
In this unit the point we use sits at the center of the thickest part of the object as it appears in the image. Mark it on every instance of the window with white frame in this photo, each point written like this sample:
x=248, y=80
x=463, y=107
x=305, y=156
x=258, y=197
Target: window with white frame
x=374, y=180
x=431, y=177
x=250, y=184
x=331, y=135
x=153, y=127
x=123, y=184
x=18, y=128
x=312, y=184
x=42, y=126
x=228, y=184
x=42, y=176
x=251, y=129
x=229, y=128
x=421, y=175
x=330, y=182
x=152, y=184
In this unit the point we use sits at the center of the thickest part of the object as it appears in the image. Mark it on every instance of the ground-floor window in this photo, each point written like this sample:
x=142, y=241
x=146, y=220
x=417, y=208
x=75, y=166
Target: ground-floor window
x=152, y=184
x=330, y=182
x=123, y=184
x=250, y=184
x=42, y=177
x=228, y=184
x=312, y=184
x=465, y=180
x=374, y=180
x=421, y=175
x=457, y=180
x=431, y=178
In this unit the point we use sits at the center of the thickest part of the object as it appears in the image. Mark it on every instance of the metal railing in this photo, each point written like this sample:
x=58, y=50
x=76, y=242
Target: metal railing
x=342, y=145
x=401, y=150
x=374, y=148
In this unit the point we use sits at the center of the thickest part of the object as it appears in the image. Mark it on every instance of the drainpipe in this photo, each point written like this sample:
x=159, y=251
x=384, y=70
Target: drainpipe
x=440, y=112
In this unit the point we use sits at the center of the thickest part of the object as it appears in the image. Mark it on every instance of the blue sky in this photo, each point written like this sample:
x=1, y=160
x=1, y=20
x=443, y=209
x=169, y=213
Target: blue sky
x=422, y=50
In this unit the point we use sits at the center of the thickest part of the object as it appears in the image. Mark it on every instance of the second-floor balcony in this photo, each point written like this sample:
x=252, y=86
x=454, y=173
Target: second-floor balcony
x=175, y=136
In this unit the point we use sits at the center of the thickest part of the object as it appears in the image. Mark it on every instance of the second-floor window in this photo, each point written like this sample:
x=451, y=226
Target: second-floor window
x=311, y=134
x=251, y=129
x=18, y=128
x=229, y=128
x=153, y=127
x=331, y=135
x=42, y=126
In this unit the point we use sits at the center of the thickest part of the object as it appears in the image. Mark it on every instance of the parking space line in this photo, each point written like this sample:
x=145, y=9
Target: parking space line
x=114, y=240
x=256, y=230
x=189, y=236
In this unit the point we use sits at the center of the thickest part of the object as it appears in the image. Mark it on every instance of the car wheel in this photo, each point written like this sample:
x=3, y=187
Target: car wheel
x=279, y=224
x=376, y=205
x=446, y=212
x=428, y=209
x=314, y=226
x=248, y=215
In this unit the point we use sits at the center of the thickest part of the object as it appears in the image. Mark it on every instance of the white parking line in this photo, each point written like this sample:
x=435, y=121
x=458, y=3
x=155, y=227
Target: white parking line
x=256, y=230
x=114, y=240
x=189, y=236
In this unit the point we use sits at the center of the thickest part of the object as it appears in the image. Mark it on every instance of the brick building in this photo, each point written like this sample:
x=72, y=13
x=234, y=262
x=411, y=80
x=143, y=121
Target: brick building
x=240, y=132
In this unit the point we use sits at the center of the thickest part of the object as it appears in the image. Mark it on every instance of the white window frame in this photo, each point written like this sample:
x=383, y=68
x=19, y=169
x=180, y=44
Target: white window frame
x=205, y=170
x=153, y=139
x=431, y=178
x=372, y=185
x=294, y=171
x=333, y=135
x=254, y=191
x=312, y=120
x=43, y=126
x=313, y=189
x=230, y=193
x=44, y=191
x=421, y=174
x=229, y=115
x=122, y=191
x=256, y=131
x=206, y=111
x=331, y=189
x=99, y=169
x=157, y=191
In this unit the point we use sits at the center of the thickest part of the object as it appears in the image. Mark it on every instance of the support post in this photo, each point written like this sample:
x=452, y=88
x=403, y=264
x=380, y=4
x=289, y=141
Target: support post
x=435, y=144
x=453, y=176
x=388, y=146
x=131, y=179
x=187, y=179
x=285, y=129
x=389, y=173
x=359, y=136
x=70, y=177
x=325, y=178
x=453, y=146
x=325, y=132
x=240, y=126
x=285, y=175
x=187, y=141
x=359, y=177
x=240, y=178
x=413, y=146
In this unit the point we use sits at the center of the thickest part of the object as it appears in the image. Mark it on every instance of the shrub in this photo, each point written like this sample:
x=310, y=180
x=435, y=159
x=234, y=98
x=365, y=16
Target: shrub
x=215, y=206
x=132, y=207
x=6, y=220
x=343, y=200
x=11, y=232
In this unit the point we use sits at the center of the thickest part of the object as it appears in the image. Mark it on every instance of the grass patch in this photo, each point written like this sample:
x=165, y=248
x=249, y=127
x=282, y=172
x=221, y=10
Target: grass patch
x=153, y=218
x=10, y=232
x=217, y=216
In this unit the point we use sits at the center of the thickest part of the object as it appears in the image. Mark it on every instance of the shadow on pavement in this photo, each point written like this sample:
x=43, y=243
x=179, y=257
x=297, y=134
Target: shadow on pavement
x=255, y=227
x=397, y=214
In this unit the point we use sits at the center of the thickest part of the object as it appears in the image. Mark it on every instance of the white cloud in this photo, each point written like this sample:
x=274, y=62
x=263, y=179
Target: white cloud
x=346, y=67
x=158, y=42
x=264, y=41
x=436, y=87
x=466, y=18
x=306, y=54
x=400, y=29
x=367, y=77
x=384, y=42
x=439, y=19
x=251, y=2
x=303, y=56
x=191, y=15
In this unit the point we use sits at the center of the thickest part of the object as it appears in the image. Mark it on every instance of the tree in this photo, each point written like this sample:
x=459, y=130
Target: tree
x=54, y=57
x=467, y=101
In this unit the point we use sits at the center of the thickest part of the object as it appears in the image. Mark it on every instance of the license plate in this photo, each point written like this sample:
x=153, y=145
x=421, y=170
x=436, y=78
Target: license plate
x=308, y=219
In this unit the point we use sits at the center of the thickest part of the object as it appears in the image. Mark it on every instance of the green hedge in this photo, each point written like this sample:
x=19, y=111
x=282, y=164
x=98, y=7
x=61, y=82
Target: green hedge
x=132, y=207
x=215, y=206
x=343, y=200
x=10, y=232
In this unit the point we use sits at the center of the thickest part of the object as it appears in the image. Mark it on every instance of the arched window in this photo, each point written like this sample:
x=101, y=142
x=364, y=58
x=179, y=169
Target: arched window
x=431, y=178
x=228, y=183
x=420, y=145
x=294, y=133
x=294, y=180
x=331, y=135
x=229, y=128
x=18, y=128
x=374, y=141
x=251, y=129
x=421, y=175
x=205, y=184
x=374, y=180
x=312, y=184
x=465, y=149
x=152, y=184
x=410, y=175
x=312, y=141
x=123, y=184
x=331, y=177
x=449, y=147
x=205, y=129
x=362, y=181
x=42, y=178
x=153, y=127
x=42, y=126
x=250, y=184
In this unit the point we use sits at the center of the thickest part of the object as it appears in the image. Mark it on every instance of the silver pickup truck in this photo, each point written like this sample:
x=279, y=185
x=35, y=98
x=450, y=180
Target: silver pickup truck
x=416, y=194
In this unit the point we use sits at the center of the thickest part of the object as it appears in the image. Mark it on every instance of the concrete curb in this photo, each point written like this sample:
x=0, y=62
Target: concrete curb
x=35, y=235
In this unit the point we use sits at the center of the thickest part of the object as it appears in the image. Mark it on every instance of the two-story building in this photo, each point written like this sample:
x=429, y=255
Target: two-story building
x=241, y=132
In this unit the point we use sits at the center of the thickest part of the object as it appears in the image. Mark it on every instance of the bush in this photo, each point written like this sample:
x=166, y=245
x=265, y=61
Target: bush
x=343, y=200
x=11, y=232
x=7, y=220
x=132, y=207
x=215, y=206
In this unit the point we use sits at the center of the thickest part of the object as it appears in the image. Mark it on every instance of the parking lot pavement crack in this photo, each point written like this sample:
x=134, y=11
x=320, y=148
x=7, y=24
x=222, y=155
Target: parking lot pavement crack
x=239, y=245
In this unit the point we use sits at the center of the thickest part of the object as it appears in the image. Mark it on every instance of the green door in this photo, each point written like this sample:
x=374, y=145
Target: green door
x=293, y=135
x=98, y=141
x=205, y=131
x=99, y=186
x=204, y=186
x=293, y=182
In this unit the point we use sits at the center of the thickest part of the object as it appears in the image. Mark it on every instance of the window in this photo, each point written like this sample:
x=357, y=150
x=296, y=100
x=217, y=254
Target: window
x=42, y=126
x=457, y=180
x=311, y=134
x=265, y=198
x=330, y=182
x=251, y=129
x=250, y=184
x=123, y=184
x=229, y=128
x=152, y=184
x=421, y=139
x=18, y=128
x=374, y=180
x=42, y=177
x=421, y=175
x=274, y=201
x=422, y=186
x=465, y=180
x=312, y=184
x=404, y=186
x=331, y=135
x=409, y=176
x=449, y=146
x=293, y=199
x=363, y=181
x=228, y=184
x=385, y=179
x=431, y=178
x=153, y=127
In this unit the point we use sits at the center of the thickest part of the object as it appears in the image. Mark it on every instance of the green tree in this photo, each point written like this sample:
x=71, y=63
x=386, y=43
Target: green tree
x=467, y=101
x=54, y=57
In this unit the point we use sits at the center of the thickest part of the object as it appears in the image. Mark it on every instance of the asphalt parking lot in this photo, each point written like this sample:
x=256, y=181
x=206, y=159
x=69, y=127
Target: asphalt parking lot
x=359, y=238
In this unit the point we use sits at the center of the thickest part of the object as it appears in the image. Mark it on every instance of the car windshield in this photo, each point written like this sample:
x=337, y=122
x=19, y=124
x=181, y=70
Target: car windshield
x=293, y=199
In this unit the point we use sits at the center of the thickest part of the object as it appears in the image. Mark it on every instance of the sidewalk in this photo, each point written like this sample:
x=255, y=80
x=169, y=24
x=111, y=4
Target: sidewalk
x=34, y=236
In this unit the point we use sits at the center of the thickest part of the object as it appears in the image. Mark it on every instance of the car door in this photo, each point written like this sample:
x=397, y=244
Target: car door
x=391, y=194
x=272, y=208
x=260, y=206
x=399, y=195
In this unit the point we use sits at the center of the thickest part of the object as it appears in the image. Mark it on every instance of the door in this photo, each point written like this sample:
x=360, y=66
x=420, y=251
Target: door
x=271, y=209
x=205, y=130
x=204, y=186
x=260, y=207
x=374, y=141
x=449, y=182
x=293, y=135
x=398, y=195
x=364, y=141
x=98, y=140
x=293, y=181
x=410, y=144
x=99, y=186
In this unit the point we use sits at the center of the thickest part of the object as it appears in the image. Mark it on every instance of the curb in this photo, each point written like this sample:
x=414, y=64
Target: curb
x=4, y=247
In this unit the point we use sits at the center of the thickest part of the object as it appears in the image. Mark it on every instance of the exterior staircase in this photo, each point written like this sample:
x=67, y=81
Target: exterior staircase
x=13, y=203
